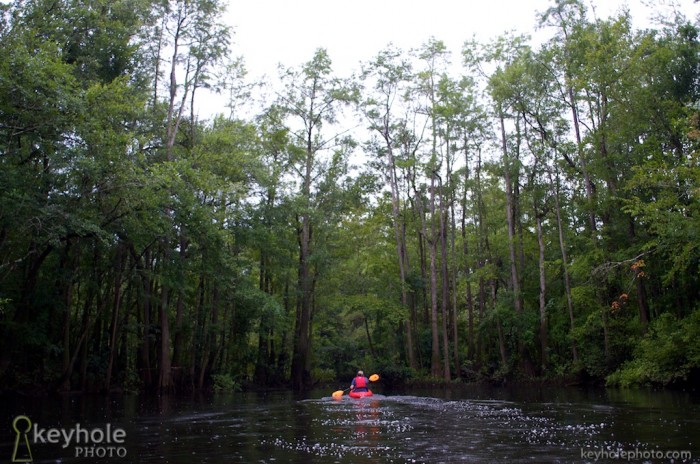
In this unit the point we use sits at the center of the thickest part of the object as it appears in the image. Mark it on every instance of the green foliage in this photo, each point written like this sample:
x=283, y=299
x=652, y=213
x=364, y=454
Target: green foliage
x=672, y=218
x=122, y=216
x=324, y=376
x=394, y=375
x=132, y=383
x=225, y=383
x=667, y=354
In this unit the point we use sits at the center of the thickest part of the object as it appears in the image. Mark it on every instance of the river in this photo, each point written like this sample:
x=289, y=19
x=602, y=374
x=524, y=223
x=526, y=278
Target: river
x=476, y=424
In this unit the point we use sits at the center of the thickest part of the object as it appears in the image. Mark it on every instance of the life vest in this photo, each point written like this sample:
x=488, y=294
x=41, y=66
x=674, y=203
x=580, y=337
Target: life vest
x=360, y=382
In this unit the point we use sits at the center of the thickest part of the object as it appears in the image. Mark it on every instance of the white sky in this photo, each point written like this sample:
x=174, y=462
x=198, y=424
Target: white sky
x=268, y=32
x=288, y=32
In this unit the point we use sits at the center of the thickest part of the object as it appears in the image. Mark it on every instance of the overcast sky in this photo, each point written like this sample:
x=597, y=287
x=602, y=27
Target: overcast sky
x=268, y=32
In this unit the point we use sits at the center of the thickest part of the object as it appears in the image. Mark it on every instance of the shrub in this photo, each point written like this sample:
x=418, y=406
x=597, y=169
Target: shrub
x=323, y=375
x=667, y=354
x=225, y=383
x=394, y=375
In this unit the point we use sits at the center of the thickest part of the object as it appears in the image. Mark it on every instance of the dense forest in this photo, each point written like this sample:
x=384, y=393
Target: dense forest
x=504, y=211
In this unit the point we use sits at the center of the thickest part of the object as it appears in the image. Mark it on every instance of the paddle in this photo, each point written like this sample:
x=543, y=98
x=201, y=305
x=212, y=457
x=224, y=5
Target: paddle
x=339, y=393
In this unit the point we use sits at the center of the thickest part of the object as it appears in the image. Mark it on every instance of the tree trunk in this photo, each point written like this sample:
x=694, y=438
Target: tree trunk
x=262, y=366
x=502, y=344
x=179, y=339
x=467, y=279
x=300, y=357
x=89, y=302
x=482, y=311
x=584, y=164
x=213, y=343
x=400, y=248
x=435, y=367
x=543, y=294
x=369, y=340
x=165, y=378
x=445, y=300
x=606, y=336
x=510, y=219
x=145, y=352
x=565, y=268
x=283, y=357
x=64, y=285
x=116, y=304
x=209, y=345
x=642, y=301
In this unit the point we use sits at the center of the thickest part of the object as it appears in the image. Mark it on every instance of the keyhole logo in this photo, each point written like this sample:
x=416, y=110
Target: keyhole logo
x=22, y=452
x=100, y=442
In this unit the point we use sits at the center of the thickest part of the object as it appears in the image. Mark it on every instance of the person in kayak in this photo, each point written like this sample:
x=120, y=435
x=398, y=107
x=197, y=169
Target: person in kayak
x=359, y=383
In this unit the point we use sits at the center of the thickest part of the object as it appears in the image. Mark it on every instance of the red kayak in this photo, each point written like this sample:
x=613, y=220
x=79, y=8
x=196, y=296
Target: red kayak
x=354, y=394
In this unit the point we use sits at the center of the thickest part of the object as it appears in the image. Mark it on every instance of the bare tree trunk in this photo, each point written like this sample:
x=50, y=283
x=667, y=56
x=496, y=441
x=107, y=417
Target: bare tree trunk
x=543, y=294
x=400, y=247
x=445, y=300
x=450, y=267
x=565, y=268
x=482, y=252
x=455, y=315
x=582, y=157
x=435, y=367
x=510, y=217
x=467, y=278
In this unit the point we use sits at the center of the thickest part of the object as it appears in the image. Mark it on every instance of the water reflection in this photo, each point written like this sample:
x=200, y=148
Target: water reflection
x=465, y=425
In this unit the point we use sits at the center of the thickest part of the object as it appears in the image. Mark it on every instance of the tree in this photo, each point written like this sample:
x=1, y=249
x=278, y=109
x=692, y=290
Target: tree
x=434, y=56
x=197, y=42
x=312, y=98
x=66, y=123
x=391, y=76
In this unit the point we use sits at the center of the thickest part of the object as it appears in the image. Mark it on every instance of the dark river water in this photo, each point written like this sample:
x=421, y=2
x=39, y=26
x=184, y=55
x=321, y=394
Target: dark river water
x=419, y=426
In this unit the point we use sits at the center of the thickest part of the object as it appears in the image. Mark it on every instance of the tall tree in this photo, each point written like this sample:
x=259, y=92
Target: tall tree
x=504, y=86
x=391, y=74
x=197, y=42
x=435, y=57
x=311, y=100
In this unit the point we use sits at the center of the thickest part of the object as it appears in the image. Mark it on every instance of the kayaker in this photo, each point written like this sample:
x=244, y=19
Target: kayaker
x=359, y=383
